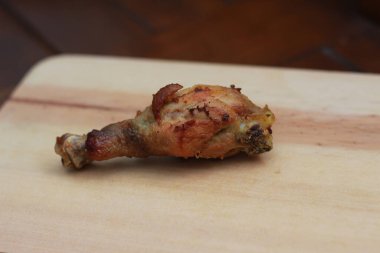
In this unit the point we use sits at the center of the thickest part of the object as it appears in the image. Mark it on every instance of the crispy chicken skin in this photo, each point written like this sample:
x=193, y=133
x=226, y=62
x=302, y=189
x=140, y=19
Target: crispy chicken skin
x=203, y=121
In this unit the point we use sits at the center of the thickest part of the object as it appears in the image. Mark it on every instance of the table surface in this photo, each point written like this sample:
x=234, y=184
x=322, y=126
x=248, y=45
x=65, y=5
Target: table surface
x=316, y=191
x=306, y=34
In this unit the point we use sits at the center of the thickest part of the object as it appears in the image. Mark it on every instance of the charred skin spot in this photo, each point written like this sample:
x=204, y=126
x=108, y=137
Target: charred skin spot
x=200, y=109
x=203, y=109
x=255, y=131
x=184, y=126
x=270, y=130
x=225, y=117
x=256, y=140
x=235, y=88
x=162, y=97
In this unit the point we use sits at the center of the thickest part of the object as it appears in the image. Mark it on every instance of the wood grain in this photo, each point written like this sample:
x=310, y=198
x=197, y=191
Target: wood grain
x=293, y=125
x=316, y=191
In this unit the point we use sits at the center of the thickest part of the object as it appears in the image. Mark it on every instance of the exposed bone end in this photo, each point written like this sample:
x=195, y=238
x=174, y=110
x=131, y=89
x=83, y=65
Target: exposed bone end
x=71, y=148
x=255, y=133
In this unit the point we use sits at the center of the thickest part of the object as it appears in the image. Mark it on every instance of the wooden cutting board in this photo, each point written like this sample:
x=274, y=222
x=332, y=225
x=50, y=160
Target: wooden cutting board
x=317, y=191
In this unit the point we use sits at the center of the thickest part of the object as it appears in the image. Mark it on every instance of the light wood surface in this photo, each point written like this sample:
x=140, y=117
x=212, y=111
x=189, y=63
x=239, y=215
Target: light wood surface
x=317, y=191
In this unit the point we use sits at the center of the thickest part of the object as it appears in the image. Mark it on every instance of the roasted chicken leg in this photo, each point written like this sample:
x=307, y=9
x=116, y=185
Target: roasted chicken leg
x=203, y=121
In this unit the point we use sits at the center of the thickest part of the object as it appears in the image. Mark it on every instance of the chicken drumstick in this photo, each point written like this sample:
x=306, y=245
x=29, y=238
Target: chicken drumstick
x=203, y=121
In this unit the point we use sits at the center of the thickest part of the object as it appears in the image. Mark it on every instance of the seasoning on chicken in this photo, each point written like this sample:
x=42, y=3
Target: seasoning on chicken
x=204, y=121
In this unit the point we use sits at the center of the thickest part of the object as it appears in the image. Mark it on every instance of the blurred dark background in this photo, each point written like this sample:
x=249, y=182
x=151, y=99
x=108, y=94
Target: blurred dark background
x=330, y=35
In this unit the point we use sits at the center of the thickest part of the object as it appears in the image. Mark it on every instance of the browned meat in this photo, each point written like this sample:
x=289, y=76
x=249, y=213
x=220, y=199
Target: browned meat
x=203, y=121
